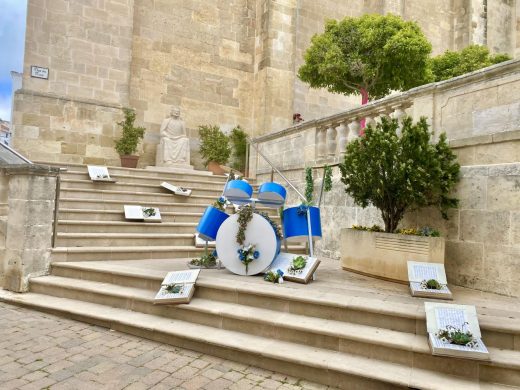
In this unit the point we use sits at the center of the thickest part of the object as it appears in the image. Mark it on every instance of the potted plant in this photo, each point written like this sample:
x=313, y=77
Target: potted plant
x=214, y=148
x=126, y=146
x=396, y=173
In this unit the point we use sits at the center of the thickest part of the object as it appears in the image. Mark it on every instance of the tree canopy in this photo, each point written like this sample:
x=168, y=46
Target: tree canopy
x=372, y=54
x=398, y=173
x=455, y=63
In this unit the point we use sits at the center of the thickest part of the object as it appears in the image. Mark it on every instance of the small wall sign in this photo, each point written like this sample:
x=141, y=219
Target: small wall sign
x=39, y=72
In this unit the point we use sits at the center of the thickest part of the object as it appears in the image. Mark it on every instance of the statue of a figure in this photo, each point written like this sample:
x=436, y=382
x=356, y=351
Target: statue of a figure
x=174, y=146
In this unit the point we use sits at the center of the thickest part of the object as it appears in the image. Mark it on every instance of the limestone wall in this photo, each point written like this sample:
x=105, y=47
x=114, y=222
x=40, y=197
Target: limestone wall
x=223, y=62
x=481, y=117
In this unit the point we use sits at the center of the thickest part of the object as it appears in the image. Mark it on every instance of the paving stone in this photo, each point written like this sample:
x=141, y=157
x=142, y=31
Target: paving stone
x=75, y=356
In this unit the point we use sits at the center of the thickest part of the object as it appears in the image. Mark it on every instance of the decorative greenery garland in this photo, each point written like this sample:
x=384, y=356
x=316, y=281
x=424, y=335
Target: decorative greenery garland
x=309, y=185
x=245, y=215
x=327, y=178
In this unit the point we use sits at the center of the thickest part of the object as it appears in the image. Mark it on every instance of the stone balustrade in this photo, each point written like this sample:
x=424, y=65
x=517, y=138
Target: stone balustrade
x=473, y=106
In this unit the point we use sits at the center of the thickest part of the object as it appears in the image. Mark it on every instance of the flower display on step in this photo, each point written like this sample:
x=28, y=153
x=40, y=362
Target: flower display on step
x=457, y=336
x=148, y=212
x=247, y=254
x=274, y=276
x=297, y=265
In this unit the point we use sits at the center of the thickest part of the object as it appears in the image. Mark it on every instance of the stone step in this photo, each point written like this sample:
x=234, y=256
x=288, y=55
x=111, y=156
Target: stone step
x=164, y=205
x=118, y=215
x=100, y=253
x=142, y=177
x=135, y=187
x=124, y=239
x=202, y=175
x=371, y=342
x=87, y=226
x=133, y=197
x=499, y=329
x=339, y=369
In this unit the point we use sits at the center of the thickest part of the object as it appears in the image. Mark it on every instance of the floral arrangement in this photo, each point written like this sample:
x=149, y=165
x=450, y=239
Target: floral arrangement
x=247, y=254
x=173, y=288
x=220, y=204
x=302, y=209
x=274, y=276
x=431, y=284
x=297, y=265
x=148, y=212
x=457, y=336
x=208, y=260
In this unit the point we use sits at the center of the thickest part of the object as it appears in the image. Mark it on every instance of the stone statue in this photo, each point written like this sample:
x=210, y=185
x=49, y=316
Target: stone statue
x=174, y=146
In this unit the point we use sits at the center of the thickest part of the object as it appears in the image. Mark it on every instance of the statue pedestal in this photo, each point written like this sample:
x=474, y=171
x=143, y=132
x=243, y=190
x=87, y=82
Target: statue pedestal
x=179, y=168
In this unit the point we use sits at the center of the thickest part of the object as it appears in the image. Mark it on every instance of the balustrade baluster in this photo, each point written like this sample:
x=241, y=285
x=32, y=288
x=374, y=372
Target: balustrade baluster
x=321, y=139
x=354, y=129
x=343, y=132
x=331, y=140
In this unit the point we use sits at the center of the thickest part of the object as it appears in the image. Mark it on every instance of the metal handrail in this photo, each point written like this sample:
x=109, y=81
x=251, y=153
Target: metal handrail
x=290, y=184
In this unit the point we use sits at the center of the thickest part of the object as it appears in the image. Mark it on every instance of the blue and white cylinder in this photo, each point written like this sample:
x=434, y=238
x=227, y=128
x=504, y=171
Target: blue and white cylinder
x=238, y=192
x=295, y=226
x=210, y=223
x=271, y=195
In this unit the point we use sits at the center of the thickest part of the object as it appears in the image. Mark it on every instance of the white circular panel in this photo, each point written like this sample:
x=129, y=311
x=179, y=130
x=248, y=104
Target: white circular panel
x=259, y=233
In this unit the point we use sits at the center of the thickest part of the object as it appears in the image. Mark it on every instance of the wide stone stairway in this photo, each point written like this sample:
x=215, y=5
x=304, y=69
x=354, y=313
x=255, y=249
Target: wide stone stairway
x=343, y=330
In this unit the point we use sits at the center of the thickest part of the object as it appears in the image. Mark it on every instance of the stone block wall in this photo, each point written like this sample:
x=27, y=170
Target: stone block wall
x=54, y=129
x=194, y=54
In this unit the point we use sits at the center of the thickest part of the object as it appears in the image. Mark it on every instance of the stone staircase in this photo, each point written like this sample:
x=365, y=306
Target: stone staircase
x=342, y=330
x=91, y=224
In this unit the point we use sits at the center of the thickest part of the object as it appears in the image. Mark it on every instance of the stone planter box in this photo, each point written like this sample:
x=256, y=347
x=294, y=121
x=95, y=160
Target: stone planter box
x=385, y=255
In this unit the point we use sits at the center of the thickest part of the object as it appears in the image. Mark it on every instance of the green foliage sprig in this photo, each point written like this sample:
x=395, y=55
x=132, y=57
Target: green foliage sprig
x=431, y=284
x=131, y=135
x=174, y=288
x=274, y=276
x=238, y=139
x=309, y=185
x=148, y=212
x=220, y=204
x=297, y=265
x=327, y=179
x=374, y=53
x=398, y=173
x=214, y=145
x=455, y=63
x=206, y=261
x=245, y=214
x=373, y=228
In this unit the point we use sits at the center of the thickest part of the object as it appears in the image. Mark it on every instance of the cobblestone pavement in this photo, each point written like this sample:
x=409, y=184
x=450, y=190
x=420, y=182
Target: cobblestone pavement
x=42, y=351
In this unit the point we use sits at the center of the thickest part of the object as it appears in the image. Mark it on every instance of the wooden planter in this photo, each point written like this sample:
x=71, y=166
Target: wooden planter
x=128, y=161
x=385, y=255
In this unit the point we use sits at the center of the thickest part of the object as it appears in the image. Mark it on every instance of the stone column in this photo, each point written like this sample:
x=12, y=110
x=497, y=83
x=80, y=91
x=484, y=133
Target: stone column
x=31, y=198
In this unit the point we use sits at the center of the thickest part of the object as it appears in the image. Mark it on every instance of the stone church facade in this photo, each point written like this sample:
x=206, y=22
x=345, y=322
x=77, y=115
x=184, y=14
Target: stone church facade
x=222, y=62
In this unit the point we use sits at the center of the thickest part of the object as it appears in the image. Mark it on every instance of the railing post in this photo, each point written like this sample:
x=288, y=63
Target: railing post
x=343, y=137
x=321, y=141
x=331, y=140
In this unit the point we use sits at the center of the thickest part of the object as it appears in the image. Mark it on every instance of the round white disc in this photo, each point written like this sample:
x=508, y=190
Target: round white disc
x=259, y=233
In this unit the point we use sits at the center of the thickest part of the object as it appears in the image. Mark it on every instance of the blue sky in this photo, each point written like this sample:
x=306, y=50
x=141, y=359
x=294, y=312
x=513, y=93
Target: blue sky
x=12, y=41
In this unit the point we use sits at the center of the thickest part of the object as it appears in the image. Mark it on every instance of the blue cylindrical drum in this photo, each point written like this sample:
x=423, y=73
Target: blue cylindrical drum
x=271, y=195
x=295, y=227
x=238, y=192
x=210, y=223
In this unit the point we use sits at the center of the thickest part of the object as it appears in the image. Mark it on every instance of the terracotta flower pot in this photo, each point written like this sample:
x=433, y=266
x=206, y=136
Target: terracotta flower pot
x=128, y=161
x=215, y=168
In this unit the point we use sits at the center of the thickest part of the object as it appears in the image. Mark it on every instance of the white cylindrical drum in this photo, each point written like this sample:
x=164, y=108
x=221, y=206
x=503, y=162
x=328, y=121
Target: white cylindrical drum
x=259, y=233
